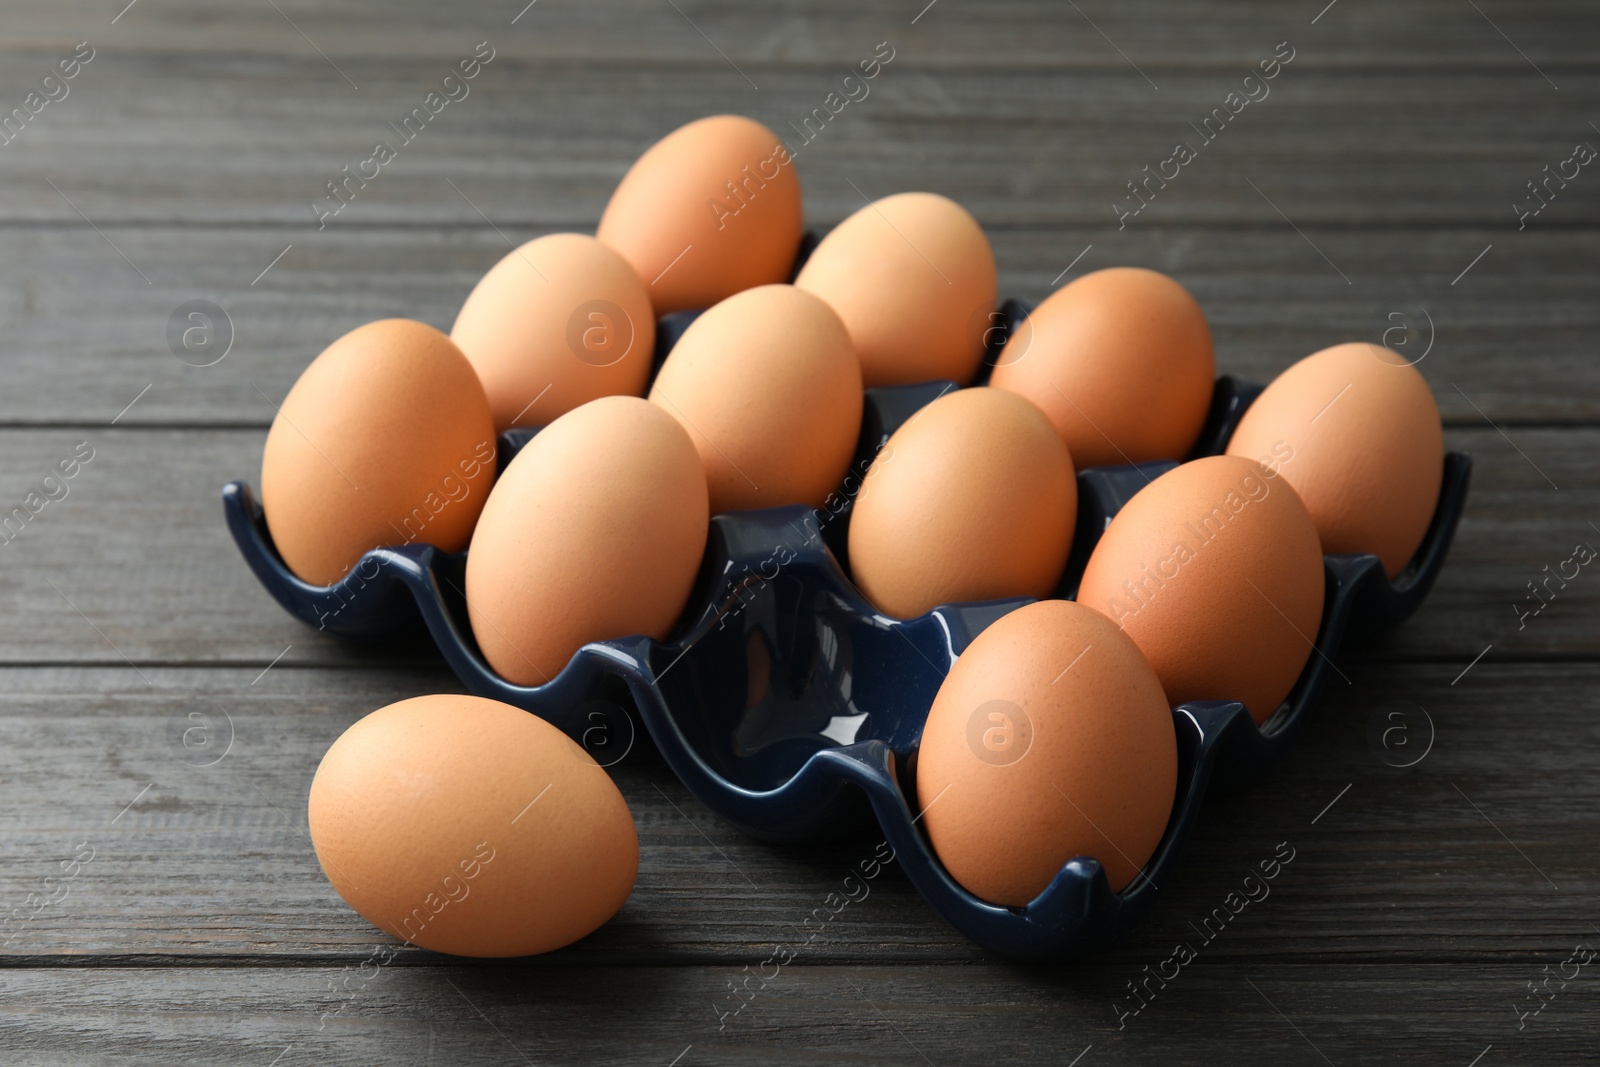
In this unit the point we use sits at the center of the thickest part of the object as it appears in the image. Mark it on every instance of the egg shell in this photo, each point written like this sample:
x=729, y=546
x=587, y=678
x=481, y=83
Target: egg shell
x=974, y=498
x=769, y=388
x=469, y=827
x=595, y=531
x=1121, y=362
x=385, y=439
x=1215, y=571
x=1049, y=739
x=1354, y=428
x=709, y=210
x=558, y=322
x=913, y=278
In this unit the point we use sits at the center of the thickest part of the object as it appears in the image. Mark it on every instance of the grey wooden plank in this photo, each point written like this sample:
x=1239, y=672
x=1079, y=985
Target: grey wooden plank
x=204, y=137
x=1155, y=34
x=1285, y=1013
x=85, y=334
x=136, y=560
x=1422, y=900
x=1479, y=852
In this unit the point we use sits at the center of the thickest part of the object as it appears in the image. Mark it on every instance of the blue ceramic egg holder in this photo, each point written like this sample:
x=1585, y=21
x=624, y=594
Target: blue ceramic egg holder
x=784, y=700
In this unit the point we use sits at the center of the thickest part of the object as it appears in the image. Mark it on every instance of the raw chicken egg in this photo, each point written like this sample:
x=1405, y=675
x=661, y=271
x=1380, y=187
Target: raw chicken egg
x=1354, y=428
x=385, y=439
x=711, y=209
x=1050, y=739
x=594, y=531
x=556, y=323
x=1121, y=362
x=470, y=827
x=974, y=498
x=769, y=389
x=913, y=278
x=1215, y=571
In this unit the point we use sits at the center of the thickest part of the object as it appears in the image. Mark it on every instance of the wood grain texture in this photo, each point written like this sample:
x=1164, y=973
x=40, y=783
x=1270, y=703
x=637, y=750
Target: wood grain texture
x=212, y=140
x=136, y=561
x=1372, y=191
x=1223, y=1013
x=1425, y=35
x=86, y=335
x=195, y=859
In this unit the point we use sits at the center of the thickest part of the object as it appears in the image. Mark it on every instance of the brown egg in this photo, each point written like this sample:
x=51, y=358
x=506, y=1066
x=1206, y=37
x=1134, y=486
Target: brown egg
x=595, y=531
x=1050, y=739
x=710, y=209
x=555, y=324
x=913, y=278
x=386, y=439
x=1215, y=572
x=1355, y=430
x=470, y=827
x=974, y=498
x=1121, y=361
x=769, y=388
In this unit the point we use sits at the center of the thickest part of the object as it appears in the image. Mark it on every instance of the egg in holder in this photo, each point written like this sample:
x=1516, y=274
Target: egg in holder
x=784, y=699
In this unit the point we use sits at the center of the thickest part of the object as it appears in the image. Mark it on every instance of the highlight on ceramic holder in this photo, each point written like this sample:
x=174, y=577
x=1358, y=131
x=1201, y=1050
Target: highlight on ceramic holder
x=845, y=689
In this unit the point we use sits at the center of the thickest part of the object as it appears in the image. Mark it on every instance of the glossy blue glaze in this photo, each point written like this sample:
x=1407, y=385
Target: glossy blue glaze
x=784, y=698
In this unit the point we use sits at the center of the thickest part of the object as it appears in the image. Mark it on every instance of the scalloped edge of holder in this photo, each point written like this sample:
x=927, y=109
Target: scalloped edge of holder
x=1220, y=746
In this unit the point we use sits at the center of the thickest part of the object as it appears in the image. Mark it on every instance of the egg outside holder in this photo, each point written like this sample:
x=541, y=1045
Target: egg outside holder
x=784, y=697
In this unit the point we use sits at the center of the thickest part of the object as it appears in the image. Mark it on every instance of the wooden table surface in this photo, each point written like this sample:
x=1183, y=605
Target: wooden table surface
x=1377, y=193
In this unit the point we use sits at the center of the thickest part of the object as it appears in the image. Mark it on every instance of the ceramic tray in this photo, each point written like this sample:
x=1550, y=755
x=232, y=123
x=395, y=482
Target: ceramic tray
x=789, y=706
